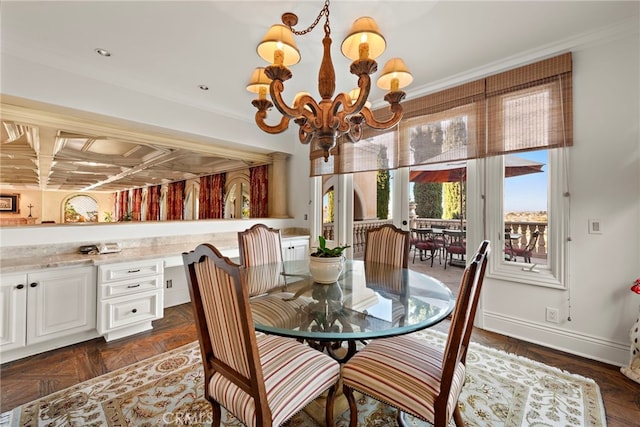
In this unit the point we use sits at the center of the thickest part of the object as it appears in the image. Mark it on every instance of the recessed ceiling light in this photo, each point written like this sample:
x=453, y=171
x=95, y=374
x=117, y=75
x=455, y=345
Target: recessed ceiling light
x=203, y=87
x=103, y=52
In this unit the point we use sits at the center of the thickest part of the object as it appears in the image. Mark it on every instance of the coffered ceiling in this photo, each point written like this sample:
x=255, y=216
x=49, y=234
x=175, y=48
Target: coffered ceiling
x=158, y=125
x=46, y=157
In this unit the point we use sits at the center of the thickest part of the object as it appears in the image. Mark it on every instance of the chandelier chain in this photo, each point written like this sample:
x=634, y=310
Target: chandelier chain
x=327, y=28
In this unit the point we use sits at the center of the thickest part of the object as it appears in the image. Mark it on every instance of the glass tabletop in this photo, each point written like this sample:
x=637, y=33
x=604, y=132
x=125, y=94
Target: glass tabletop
x=369, y=300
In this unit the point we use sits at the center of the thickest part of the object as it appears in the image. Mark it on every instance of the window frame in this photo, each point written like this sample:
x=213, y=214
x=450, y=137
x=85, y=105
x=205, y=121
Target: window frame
x=554, y=274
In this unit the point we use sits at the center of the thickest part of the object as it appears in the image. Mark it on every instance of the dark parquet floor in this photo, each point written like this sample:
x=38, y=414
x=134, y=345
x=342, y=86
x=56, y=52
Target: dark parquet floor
x=30, y=378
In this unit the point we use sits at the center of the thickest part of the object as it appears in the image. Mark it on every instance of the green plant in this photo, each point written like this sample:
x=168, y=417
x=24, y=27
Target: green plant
x=323, y=251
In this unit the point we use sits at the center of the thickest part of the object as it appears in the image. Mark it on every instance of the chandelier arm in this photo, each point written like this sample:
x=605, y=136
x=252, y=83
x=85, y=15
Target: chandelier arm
x=341, y=122
x=275, y=90
x=395, y=107
x=364, y=84
x=279, y=128
x=304, y=136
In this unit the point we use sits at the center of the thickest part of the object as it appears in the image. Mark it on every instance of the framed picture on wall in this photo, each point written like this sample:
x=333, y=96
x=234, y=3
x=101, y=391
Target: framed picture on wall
x=10, y=203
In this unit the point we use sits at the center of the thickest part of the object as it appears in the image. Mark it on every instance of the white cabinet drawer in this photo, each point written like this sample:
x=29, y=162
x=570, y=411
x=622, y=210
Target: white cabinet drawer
x=129, y=287
x=130, y=270
x=125, y=311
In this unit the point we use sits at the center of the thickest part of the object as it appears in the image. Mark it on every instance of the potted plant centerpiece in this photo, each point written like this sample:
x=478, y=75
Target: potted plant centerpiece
x=325, y=264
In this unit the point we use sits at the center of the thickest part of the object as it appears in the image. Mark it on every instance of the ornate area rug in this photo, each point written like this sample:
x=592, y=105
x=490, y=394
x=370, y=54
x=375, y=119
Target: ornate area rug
x=501, y=390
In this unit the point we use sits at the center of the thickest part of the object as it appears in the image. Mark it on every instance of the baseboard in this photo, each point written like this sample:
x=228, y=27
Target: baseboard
x=589, y=346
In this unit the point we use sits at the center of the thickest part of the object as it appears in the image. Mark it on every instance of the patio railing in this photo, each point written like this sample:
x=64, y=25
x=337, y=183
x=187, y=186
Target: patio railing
x=523, y=228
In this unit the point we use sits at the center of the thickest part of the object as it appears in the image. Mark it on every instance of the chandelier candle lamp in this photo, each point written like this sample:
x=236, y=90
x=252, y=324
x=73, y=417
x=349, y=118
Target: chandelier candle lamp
x=323, y=122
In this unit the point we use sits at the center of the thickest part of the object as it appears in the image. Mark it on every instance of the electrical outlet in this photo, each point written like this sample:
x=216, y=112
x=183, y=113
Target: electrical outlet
x=552, y=315
x=169, y=283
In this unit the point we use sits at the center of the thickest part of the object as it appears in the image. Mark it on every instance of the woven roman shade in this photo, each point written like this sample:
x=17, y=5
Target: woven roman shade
x=526, y=108
x=531, y=107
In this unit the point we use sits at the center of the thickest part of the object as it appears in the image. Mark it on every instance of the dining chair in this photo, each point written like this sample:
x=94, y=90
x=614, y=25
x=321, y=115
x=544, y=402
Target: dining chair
x=416, y=377
x=263, y=380
x=527, y=251
x=387, y=244
x=259, y=245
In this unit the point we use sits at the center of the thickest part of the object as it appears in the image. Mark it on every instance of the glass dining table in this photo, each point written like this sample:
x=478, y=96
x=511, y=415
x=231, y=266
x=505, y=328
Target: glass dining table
x=368, y=301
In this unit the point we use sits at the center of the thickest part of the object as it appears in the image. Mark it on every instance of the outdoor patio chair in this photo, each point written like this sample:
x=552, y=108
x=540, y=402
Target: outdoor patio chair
x=414, y=376
x=263, y=380
x=528, y=250
x=428, y=244
x=454, y=244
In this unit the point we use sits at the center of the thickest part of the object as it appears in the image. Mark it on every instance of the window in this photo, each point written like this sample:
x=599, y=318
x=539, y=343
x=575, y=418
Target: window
x=507, y=209
x=80, y=208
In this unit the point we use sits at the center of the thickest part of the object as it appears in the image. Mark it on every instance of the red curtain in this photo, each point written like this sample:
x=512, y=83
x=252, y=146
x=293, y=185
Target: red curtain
x=123, y=205
x=153, y=203
x=211, y=199
x=116, y=207
x=259, y=194
x=175, y=200
x=136, y=205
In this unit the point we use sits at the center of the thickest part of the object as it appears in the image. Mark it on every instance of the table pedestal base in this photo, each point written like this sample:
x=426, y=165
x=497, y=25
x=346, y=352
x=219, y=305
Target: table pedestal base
x=316, y=409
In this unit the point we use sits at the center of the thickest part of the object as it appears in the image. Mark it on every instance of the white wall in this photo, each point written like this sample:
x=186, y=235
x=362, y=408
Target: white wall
x=605, y=185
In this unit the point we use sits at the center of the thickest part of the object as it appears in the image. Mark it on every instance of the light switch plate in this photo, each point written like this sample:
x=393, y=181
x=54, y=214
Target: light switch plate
x=595, y=226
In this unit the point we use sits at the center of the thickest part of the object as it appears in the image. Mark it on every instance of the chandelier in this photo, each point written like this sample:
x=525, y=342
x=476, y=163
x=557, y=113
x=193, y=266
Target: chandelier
x=324, y=121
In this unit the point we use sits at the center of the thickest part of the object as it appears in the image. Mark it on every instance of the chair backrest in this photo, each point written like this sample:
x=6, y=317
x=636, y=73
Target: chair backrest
x=531, y=245
x=387, y=244
x=224, y=322
x=454, y=238
x=259, y=245
x=463, y=316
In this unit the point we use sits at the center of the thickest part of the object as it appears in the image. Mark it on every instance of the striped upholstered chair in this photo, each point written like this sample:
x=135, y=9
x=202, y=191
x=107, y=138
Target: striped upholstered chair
x=259, y=245
x=263, y=380
x=413, y=376
x=387, y=244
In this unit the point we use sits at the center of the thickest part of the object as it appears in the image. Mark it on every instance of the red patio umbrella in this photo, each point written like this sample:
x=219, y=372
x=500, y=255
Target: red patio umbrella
x=456, y=171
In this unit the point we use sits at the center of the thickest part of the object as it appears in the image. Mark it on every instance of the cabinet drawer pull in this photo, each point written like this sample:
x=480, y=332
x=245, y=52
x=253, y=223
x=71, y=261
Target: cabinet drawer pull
x=34, y=284
x=134, y=271
x=133, y=286
x=20, y=286
x=135, y=310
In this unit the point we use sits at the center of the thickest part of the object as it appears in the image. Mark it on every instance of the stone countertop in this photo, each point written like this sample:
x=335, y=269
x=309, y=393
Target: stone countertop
x=173, y=251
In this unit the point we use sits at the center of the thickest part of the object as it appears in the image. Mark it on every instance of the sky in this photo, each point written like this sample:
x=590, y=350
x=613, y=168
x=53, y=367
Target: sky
x=528, y=192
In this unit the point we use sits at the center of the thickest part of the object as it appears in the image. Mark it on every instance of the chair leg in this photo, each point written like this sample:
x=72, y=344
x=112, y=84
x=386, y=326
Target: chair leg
x=400, y=418
x=329, y=406
x=457, y=417
x=353, y=408
x=216, y=413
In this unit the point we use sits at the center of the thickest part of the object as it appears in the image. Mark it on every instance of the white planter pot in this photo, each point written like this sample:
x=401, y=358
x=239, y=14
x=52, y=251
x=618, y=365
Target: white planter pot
x=326, y=270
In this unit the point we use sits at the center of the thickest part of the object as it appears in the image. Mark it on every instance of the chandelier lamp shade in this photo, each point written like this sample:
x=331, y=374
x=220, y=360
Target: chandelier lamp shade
x=324, y=121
